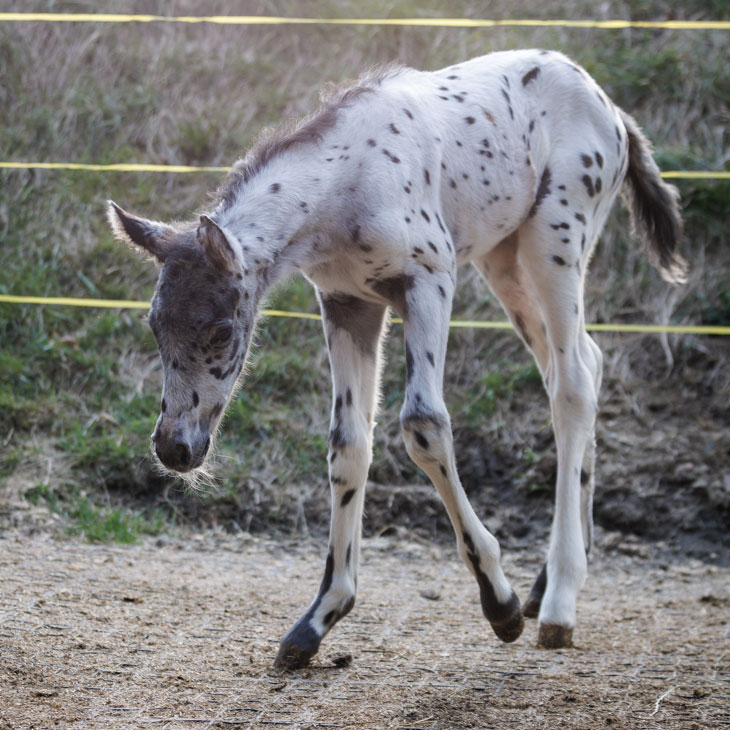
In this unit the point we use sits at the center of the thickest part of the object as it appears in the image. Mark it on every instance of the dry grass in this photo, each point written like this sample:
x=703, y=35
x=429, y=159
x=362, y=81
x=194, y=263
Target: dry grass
x=200, y=95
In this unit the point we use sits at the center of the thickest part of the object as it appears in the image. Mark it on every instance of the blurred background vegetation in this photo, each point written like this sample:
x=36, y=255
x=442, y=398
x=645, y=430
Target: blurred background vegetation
x=79, y=388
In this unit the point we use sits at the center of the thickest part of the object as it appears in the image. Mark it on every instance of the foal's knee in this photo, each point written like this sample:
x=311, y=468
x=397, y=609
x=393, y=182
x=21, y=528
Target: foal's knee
x=427, y=435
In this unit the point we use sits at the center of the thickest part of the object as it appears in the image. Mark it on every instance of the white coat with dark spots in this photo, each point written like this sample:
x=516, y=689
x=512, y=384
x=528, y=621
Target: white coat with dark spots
x=512, y=162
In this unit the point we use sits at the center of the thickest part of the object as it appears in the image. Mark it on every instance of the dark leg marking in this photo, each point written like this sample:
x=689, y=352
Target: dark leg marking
x=506, y=618
x=302, y=641
x=347, y=496
x=532, y=605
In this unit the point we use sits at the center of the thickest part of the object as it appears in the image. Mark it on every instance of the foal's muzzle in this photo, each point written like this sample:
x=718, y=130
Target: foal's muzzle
x=178, y=452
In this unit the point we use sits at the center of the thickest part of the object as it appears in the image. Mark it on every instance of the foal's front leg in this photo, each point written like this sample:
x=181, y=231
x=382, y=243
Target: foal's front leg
x=353, y=330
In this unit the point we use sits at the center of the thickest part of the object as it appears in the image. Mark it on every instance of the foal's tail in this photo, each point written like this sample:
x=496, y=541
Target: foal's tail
x=654, y=206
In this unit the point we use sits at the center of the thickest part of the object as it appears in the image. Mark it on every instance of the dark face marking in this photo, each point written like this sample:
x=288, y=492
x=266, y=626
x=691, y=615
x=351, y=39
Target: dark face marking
x=586, y=160
x=196, y=399
x=425, y=215
x=394, y=129
x=408, y=113
x=469, y=120
x=391, y=157
x=580, y=218
x=559, y=260
x=427, y=177
x=599, y=159
x=429, y=356
x=421, y=440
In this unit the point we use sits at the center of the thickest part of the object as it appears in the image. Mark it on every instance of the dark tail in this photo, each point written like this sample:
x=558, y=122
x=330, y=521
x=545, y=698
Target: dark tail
x=654, y=206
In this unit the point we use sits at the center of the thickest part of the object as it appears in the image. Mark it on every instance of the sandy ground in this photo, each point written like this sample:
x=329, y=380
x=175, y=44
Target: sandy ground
x=181, y=633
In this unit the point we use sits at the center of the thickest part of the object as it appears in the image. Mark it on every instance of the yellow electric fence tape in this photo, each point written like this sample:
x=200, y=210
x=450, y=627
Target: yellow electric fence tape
x=423, y=22
x=142, y=167
x=472, y=324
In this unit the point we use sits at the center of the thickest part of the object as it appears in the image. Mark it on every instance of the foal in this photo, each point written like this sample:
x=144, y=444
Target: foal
x=510, y=161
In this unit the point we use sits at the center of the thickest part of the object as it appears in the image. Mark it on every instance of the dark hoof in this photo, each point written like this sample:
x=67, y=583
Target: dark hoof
x=531, y=608
x=292, y=657
x=298, y=646
x=507, y=620
x=510, y=629
x=554, y=636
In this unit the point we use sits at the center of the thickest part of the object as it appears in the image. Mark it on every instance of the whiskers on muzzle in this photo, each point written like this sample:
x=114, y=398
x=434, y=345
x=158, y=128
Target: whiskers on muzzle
x=199, y=480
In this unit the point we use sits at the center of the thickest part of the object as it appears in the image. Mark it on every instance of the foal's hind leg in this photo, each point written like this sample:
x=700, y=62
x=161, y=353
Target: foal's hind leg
x=555, y=265
x=427, y=432
x=353, y=329
x=514, y=288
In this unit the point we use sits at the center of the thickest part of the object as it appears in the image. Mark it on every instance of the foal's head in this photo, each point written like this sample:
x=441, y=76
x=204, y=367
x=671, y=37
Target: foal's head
x=202, y=316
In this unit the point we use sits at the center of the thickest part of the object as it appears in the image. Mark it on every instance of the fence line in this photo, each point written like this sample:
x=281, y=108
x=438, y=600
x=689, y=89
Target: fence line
x=415, y=22
x=455, y=323
x=151, y=167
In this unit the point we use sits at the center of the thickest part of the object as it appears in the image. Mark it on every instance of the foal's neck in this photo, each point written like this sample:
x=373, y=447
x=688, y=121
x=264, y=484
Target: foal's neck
x=284, y=217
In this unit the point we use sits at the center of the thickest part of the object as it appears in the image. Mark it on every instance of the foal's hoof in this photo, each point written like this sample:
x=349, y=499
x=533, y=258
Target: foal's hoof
x=554, y=636
x=292, y=657
x=509, y=624
x=511, y=629
x=531, y=609
x=298, y=646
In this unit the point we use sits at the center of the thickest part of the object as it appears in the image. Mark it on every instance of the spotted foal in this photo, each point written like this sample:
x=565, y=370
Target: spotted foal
x=511, y=161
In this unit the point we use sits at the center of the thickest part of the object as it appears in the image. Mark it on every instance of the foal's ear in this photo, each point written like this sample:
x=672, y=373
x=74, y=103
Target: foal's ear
x=151, y=236
x=217, y=244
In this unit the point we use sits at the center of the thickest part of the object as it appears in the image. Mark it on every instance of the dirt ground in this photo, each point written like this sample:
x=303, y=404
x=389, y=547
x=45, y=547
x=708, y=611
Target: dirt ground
x=181, y=633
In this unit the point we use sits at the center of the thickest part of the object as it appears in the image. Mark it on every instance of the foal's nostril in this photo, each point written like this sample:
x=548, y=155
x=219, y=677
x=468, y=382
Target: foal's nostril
x=182, y=452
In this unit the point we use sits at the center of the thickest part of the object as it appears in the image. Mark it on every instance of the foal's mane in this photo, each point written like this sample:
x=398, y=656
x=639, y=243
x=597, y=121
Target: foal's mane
x=274, y=141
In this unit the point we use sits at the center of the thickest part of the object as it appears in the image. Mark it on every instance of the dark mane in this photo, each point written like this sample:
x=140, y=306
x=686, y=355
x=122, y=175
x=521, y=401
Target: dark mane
x=310, y=130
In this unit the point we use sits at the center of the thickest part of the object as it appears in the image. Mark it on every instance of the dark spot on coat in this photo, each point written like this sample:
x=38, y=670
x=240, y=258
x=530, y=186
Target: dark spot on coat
x=588, y=182
x=531, y=75
x=347, y=496
x=348, y=397
x=371, y=143
x=391, y=156
x=580, y=218
x=587, y=160
x=429, y=356
x=599, y=159
x=425, y=215
x=394, y=129
x=543, y=190
x=469, y=120
x=427, y=177
x=559, y=260
x=196, y=399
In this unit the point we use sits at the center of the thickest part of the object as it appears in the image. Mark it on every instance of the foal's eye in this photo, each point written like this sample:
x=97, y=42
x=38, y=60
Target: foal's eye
x=221, y=334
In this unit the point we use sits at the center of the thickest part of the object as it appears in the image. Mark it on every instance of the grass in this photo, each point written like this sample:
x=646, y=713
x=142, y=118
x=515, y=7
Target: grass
x=88, y=380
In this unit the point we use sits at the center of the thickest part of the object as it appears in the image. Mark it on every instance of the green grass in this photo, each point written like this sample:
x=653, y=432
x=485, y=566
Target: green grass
x=87, y=380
